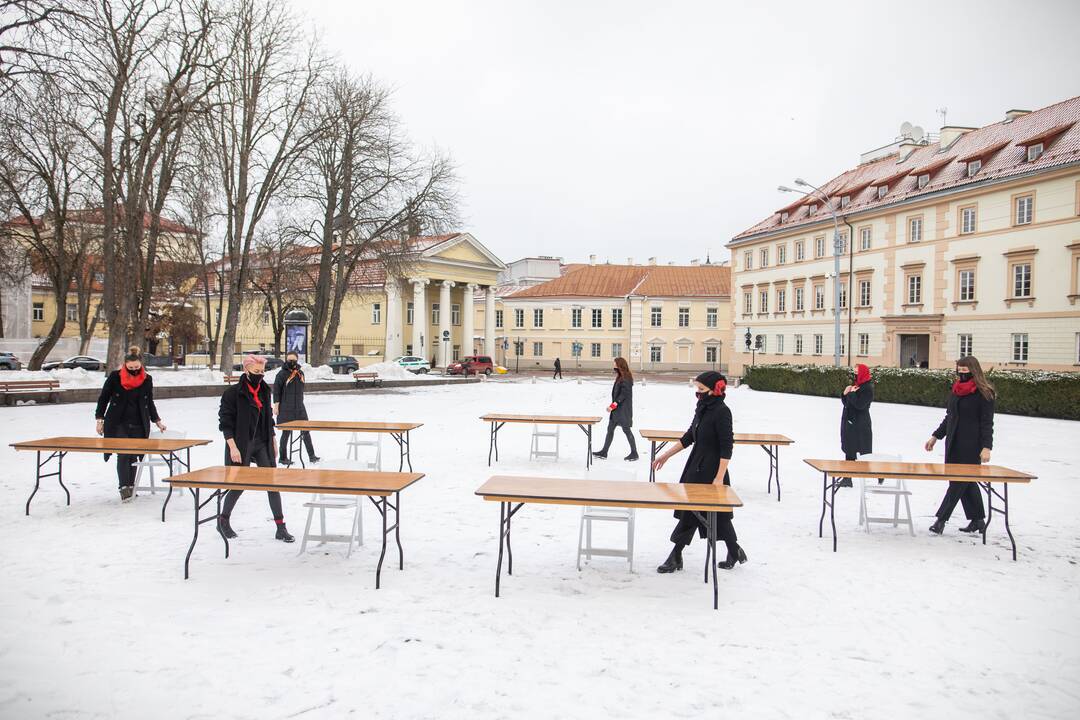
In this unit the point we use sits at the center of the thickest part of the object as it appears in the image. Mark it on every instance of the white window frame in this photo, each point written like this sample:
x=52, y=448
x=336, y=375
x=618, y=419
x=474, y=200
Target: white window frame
x=914, y=289
x=616, y=350
x=498, y=318
x=710, y=353
x=798, y=344
x=843, y=295
x=781, y=300
x=966, y=282
x=1021, y=347
x=1021, y=279
x=819, y=297
x=376, y=313
x=974, y=167
x=712, y=317
x=779, y=344
x=800, y=299
x=781, y=254
x=684, y=317
x=882, y=191
x=800, y=251
x=616, y=317
x=964, y=345
x=748, y=302
x=1025, y=209
x=923, y=180
x=865, y=239
x=656, y=353
x=538, y=317
x=575, y=317
x=1034, y=152
x=38, y=312
x=519, y=318
x=594, y=350
x=597, y=317
x=410, y=311
x=819, y=343
x=538, y=349
x=748, y=260
x=968, y=220
x=71, y=312
x=455, y=314
x=764, y=257
x=866, y=296
x=915, y=228
x=763, y=301
x=819, y=247
x=864, y=344
x=435, y=313
x=656, y=316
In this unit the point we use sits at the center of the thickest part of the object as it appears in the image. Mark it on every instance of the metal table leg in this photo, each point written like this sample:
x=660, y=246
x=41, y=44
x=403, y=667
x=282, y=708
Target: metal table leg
x=587, y=429
x=59, y=475
x=493, y=440
x=709, y=520
x=506, y=511
x=655, y=449
x=1004, y=497
x=829, y=500
x=199, y=505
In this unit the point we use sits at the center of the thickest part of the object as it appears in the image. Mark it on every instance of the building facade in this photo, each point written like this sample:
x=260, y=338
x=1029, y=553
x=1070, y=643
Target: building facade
x=967, y=245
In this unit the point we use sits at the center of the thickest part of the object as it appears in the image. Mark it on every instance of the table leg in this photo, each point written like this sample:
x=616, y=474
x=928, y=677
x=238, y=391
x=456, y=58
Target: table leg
x=169, y=460
x=60, y=475
x=828, y=498
x=652, y=460
x=491, y=446
x=712, y=565
x=832, y=512
x=397, y=530
x=502, y=538
x=296, y=445
x=382, y=554
x=1008, y=530
x=221, y=493
x=195, y=534
x=38, y=475
x=776, y=461
x=404, y=441
x=824, y=492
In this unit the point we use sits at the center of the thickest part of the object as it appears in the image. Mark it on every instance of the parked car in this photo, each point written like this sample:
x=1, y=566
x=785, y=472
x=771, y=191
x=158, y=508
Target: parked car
x=273, y=362
x=8, y=361
x=343, y=364
x=79, y=361
x=417, y=365
x=472, y=365
x=156, y=360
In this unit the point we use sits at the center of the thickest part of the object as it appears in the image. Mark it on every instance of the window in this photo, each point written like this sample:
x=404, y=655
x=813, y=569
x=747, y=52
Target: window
x=1022, y=280
x=575, y=317
x=656, y=316
x=819, y=246
x=265, y=314
x=616, y=317
x=800, y=251
x=914, y=289
x=711, y=315
x=455, y=314
x=819, y=297
x=376, y=314
x=616, y=350
x=812, y=209
x=434, y=313
x=594, y=350
x=843, y=345
x=538, y=349
x=845, y=200
x=763, y=301
x=1024, y=206
x=864, y=343
x=764, y=343
x=923, y=180
x=799, y=299
x=843, y=294
x=798, y=344
x=780, y=344
x=72, y=312
x=519, y=348
x=684, y=317
x=408, y=350
x=337, y=349
x=818, y=344
x=710, y=353
x=882, y=191
x=538, y=317
x=967, y=286
x=781, y=254
x=1020, y=347
x=1034, y=152
x=748, y=260
x=783, y=217
x=519, y=318
x=865, y=238
x=655, y=353
x=764, y=257
x=498, y=318
x=597, y=318
x=967, y=220
x=973, y=167
x=781, y=300
x=864, y=293
x=965, y=348
x=915, y=229
x=843, y=242
x=409, y=310
x=748, y=302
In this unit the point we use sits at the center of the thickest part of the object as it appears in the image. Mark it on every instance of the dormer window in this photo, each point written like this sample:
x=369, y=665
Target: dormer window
x=812, y=209
x=924, y=180
x=845, y=200
x=973, y=167
x=783, y=217
x=1034, y=152
x=882, y=191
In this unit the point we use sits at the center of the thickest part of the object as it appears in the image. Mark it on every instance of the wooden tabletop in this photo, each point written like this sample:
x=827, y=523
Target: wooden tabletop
x=128, y=446
x=336, y=482
x=740, y=438
x=919, y=471
x=348, y=426
x=611, y=493
x=543, y=419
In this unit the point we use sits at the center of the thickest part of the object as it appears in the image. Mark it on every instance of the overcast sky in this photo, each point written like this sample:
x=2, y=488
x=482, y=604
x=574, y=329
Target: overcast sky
x=663, y=128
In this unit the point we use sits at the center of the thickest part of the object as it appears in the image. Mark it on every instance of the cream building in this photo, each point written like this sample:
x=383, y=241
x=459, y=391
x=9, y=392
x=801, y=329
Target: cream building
x=966, y=245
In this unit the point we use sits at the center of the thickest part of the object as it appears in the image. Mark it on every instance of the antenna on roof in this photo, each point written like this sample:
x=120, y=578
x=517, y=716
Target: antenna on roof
x=943, y=112
x=707, y=261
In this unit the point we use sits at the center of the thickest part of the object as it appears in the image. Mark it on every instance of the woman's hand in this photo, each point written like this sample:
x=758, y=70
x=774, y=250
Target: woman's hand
x=984, y=455
x=160, y=425
x=659, y=463
x=100, y=427
x=277, y=406
x=848, y=389
x=234, y=454
x=930, y=444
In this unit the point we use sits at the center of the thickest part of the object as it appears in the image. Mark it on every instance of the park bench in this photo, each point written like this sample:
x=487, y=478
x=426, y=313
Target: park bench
x=368, y=377
x=11, y=388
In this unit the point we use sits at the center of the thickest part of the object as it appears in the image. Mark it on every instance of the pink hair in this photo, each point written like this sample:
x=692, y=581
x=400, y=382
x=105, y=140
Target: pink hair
x=254, y=360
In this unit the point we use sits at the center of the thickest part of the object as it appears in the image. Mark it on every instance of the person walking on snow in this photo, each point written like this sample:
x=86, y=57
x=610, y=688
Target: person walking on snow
x=856, y=431
x=289, y=405
x=558, y=369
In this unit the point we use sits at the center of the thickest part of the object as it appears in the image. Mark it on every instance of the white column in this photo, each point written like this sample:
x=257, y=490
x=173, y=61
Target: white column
x=468, y=322
x=393, y=319
x=419, y=318
x=445, y=348
x=489, y=322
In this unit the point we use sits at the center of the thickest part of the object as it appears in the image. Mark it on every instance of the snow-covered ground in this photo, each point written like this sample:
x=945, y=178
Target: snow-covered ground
x=96, y=620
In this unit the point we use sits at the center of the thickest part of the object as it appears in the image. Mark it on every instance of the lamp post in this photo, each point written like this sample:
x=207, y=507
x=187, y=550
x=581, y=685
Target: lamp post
x=816, y=192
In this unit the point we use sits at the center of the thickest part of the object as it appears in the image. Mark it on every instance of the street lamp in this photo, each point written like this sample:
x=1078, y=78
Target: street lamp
x=837, y=249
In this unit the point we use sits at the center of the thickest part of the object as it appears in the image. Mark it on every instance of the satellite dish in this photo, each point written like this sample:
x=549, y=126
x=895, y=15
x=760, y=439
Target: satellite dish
x=905, y=129
x=917, y=133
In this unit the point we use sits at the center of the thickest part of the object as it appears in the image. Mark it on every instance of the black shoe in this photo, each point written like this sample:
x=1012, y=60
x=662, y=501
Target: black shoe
x=600, y=454
x=284, y=463
x=673, y=562
x=225, y=528
x=738, y=557
x=313, y=459
x=938, y=527
x=631, y=457
x=975, y=526
x=283, y=534
x=844, y=482
x=127, y=492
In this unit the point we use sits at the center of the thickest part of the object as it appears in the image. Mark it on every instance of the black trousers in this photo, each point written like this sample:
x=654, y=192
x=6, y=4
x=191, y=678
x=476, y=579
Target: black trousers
x=260, y=455
x=558, y=374
x=125, y=464
x=968, y=494
x=611, y=435
x=689, y=524
x=283, y=446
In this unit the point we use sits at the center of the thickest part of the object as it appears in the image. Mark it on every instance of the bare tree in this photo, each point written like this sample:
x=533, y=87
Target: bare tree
x=278, y=276
x=87, y=283
x=25, y=27
x=15, y=267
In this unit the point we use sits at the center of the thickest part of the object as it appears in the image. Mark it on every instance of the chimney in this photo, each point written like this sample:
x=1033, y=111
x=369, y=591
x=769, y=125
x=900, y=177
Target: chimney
x=1011, y=115
x=695, y=262
x=592, y=259
x=950, y=134
x=652, y=261
x=907, y=147
x=629, y=261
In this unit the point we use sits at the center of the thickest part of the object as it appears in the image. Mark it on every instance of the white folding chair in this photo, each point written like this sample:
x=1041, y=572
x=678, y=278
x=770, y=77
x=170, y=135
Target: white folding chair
x=590, y=514
x=323, y=502
x=534, y=448
x=896, y=489
x=150, y=462
x=356, y=442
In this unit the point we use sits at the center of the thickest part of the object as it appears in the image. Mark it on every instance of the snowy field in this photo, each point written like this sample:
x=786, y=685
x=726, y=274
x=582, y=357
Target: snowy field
x=96, y=620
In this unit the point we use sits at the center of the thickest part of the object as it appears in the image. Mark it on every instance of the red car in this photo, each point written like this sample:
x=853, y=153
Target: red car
x=472, y=365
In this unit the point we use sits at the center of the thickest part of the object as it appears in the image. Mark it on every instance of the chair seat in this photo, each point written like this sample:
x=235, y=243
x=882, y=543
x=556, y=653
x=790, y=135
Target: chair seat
x=887, y=491
x=335, y=504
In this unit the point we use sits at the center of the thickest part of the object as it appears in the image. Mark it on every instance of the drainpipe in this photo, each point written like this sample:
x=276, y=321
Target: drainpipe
x=851, y=285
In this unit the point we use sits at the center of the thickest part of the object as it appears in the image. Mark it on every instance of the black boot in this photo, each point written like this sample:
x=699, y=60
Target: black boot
x=127, y=493
x=673, y=562
x=313, y=459
x=600, y=454
x=631, y=457
x=284, y=462
x=283, y=534
x=224, y=527
x=739, y=556
x=975, y=526
x=938, y=527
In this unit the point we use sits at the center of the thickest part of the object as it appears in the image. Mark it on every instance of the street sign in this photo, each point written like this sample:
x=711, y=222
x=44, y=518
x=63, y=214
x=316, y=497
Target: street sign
x=445, y=334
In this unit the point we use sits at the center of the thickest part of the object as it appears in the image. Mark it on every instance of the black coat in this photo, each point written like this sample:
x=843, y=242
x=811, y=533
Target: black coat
x=289, y=396
x=968, y=427
x=558, y=364
x=114, y=400
x=711, y=438
x=622, y=393
x=856, y=431
x=239, y=418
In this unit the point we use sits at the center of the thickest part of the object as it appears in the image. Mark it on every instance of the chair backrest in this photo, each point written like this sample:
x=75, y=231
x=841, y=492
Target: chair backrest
x=882, y=457
x=174, y=435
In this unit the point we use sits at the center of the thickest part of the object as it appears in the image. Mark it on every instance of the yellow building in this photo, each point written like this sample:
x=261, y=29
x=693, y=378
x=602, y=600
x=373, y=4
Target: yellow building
x=966, y=245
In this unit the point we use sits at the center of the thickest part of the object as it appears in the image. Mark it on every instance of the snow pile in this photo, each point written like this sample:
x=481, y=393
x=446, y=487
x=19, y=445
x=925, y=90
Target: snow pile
x=393, y=371
x=192, y=376
x=69, y=378
x=321, y=373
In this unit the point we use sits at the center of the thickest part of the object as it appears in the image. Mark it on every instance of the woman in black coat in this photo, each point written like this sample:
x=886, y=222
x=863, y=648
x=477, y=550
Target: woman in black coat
x=968, y=431
x=621, y=410
x=713, y=439
x=856, y=430
x=289, y=405
x=245, y=420
x=125, y=409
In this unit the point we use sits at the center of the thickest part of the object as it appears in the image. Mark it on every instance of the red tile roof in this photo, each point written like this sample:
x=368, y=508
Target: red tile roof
x=1000, y=146
x=622, y=280
x=95, y=216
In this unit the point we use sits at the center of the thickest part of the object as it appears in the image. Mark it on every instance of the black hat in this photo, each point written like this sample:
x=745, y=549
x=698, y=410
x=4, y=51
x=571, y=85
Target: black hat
x=709, y=378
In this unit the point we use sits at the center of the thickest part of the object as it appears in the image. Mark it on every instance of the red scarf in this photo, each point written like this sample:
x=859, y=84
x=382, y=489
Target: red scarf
x=862, y=374
x=254, y=394
x=295, y=373
x=960, y=389
x=129, y=381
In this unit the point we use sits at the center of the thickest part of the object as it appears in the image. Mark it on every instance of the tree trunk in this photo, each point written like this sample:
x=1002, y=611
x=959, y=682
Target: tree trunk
x=41, y=352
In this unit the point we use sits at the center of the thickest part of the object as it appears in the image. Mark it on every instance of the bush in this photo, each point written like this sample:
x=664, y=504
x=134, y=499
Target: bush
x=1019, y=392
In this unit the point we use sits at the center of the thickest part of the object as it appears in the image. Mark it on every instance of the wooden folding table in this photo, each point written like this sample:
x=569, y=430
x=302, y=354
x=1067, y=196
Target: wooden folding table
x=378, y=486
x=400, y=432
x=985, y=475
x=704, y=500
x=584, y=422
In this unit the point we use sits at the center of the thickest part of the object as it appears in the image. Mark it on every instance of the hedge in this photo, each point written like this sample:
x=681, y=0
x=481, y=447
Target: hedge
x=1019, y=392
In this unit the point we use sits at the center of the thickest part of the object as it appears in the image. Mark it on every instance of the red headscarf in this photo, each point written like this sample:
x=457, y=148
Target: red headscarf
x=862, y=374
x=129, y=381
